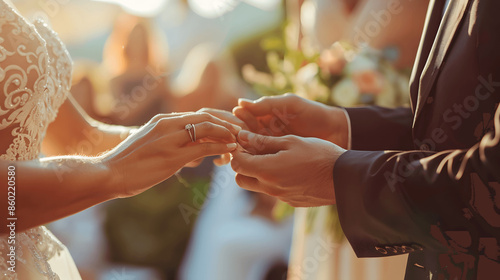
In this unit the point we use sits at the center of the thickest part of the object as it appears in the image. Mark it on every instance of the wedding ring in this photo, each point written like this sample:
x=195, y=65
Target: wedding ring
x=191, y=129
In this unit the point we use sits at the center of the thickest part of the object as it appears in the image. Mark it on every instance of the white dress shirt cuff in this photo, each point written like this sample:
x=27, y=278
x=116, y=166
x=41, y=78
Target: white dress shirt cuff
x=348, y=129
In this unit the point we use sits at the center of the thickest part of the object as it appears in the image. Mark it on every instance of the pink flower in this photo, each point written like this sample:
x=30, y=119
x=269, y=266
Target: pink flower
x=332, y=60
x=369, y=81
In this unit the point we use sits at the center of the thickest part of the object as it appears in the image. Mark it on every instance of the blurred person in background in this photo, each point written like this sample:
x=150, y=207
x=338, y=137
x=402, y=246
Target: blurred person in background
x=137, y=62
x=142, y=85
x=394, y=26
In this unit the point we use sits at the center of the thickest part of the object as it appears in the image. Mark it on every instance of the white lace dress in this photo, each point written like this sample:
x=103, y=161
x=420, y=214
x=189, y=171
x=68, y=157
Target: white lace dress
x=35, y=78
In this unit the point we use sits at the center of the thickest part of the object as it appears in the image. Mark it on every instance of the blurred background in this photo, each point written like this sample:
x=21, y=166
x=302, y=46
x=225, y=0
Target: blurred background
x=134, y=59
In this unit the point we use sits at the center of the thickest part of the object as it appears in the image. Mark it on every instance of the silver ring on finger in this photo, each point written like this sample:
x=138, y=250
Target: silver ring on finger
x=191, y=129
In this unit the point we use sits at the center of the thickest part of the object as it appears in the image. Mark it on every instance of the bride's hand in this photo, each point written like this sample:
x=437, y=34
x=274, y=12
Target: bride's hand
x=163, y=146
x=229, y=117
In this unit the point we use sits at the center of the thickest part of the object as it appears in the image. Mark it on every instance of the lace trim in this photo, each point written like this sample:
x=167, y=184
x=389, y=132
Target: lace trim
x=35, y=79
x=33, y=93
x=41, y=246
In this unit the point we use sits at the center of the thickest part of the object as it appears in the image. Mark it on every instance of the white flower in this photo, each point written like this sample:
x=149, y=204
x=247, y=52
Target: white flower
x=369, y=81
x=251, y=75
x=317, y=91
x=361, y=63
x=403, y=83
x=388, y=97
x=306, y=74
x=345, y=93
x=303, y=78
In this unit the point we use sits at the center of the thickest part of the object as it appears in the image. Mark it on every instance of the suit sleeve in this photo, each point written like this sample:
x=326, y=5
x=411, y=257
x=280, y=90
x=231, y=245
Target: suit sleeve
x=371, y=136
x=393, y=202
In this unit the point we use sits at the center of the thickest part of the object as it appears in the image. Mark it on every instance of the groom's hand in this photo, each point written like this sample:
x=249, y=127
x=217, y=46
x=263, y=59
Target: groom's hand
x=226, y=116
x=296, y=170
x=290, y=114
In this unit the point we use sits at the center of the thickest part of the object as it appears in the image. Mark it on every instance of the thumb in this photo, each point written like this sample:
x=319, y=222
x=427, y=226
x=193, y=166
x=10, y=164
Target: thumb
x=262, y=106
x=260, y=144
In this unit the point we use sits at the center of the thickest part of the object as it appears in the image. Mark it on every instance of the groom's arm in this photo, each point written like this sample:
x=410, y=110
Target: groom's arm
x=375, y=128
x=398, y=202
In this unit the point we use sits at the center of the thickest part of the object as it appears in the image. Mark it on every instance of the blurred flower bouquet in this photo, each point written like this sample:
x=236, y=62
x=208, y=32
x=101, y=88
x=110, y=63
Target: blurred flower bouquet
x=342, y=75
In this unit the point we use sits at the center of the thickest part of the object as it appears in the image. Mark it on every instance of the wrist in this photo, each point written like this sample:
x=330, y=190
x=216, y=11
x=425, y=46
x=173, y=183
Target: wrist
x=107, y=177
x=339, y=126
x=121, y=177
x=87, y=176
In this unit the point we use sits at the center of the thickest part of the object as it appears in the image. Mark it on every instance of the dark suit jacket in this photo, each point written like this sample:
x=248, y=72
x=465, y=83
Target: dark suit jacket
x=425, y=180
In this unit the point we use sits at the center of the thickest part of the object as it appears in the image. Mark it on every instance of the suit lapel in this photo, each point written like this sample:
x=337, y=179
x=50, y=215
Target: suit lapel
x=432, y=21
x=444, y=37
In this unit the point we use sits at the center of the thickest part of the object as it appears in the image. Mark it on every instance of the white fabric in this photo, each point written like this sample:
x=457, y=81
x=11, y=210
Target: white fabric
x=228, y=242
x=349, y=140
x=35, y=78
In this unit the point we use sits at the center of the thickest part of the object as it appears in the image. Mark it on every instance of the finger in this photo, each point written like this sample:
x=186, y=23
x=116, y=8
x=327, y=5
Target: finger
x=200, y=150
x=260, y=144
x=205, y=117
x=264, y=105
x=206, y=130
x=248, y=183
x=194, y=163
x=255, y=185
x=256, y=166
x=158, y=117
x=249, y=119
x=222, y=160
x=226, y=116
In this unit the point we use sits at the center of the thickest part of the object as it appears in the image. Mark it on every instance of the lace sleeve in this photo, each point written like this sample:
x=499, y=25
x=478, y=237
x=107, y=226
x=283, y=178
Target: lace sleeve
x=60, y=65
x=23, y=80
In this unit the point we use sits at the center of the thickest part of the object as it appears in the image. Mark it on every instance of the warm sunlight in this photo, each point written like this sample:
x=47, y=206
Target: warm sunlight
x=216, y=8
x=144, y=8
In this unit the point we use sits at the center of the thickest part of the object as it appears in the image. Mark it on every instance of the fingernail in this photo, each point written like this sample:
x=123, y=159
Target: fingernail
x=237, y=128
x=234, y=164
x=244, y=100
x=232, y=146
x=243, y=135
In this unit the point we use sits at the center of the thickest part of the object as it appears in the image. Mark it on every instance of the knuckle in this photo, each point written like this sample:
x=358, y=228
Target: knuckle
x=266, y=177
x=161, y=124
x=205, y=116
x=207, y=126
x=259, y=141
x=293, y=99
x=273, y=192
x=290, y=139
x=263, y=98
x=157, y=117
x=206, y=149
x=206, y=111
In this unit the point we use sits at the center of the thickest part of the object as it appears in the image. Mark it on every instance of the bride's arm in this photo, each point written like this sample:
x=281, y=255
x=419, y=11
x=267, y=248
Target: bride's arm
x=74, y=132
x=55, y=187
x=44, y=191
